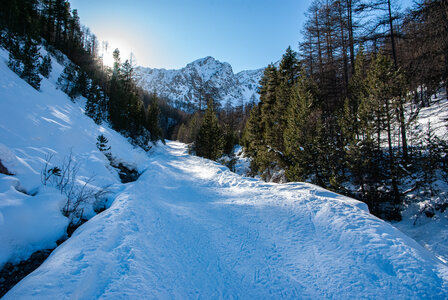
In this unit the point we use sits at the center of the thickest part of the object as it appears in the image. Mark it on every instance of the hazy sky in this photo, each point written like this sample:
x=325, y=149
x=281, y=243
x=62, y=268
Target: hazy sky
x=248, y=34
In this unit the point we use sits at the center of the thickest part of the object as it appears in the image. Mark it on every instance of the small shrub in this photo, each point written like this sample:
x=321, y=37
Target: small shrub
x=77, y=193
x=101, y=144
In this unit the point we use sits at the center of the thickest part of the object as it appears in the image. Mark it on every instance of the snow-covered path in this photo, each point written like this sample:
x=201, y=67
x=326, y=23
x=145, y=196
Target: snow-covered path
x=189, y=228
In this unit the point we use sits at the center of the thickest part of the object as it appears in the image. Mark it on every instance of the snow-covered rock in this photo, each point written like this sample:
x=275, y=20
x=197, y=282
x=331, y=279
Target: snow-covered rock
x=205, y=76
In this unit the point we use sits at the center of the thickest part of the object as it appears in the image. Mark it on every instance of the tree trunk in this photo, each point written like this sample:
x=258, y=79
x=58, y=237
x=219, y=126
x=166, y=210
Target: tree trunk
x=392, y=35
x=404, y=140
x=344, y=50
x=350, y=34
x=319, y=49
x=391, y=157
x=311, y=55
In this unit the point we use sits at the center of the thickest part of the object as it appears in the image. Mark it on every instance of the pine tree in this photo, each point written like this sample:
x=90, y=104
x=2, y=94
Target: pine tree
x=193, y=126
x=289, y=68
x=14, y=64
x=67, y=79
x=101, y=144
x=136, y=117
x=384, y=89
x=182, y=133
x=357, y=91
x=270, y=146
x=209, y=142
x=230, y=139
x=303, y=134
x=95, y=106
x=24, y=61
x=119, y=104
x=357, y=133
x=152, y=119
x=45, y=67
x=31, y=63
x=253, y=139
x=268, y=93
x=431, y=161
x=117, y=62
x=15, y=55
x=288, y=73
x=81, y=85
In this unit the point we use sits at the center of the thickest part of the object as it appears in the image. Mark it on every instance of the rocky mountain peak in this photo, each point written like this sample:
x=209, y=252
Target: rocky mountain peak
x=203, y=78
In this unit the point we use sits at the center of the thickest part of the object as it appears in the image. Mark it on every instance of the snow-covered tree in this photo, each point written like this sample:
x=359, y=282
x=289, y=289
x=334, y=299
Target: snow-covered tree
x=45, y=67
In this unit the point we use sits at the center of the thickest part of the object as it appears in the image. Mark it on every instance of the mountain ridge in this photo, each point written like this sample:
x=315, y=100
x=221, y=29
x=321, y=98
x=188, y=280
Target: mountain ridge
x=204, y=78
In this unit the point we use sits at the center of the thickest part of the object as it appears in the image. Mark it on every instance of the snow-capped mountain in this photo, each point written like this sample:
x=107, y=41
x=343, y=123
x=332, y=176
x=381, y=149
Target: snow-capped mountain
x=203, y=78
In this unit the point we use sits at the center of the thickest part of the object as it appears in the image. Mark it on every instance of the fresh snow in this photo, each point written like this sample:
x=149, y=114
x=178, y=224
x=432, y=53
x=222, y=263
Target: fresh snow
x=34, y=124
x=188, y=227
x=435, y=116
x=432, y=233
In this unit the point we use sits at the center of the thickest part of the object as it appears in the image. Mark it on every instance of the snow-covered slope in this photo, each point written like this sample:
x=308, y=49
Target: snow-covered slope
x=188, y=227
x=435, y=116
x=33, y=125
x=431, y=231
x=205, y=76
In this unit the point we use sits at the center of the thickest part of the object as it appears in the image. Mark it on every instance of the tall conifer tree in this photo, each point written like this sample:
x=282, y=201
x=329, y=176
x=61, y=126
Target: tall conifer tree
x=209, y=142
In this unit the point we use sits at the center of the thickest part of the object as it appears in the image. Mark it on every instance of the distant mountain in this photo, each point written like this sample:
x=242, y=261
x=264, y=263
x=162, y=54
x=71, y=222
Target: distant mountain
x=193, y=84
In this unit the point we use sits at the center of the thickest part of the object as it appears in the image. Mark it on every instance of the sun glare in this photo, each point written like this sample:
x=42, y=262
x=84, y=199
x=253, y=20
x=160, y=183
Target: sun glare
x=107, y=48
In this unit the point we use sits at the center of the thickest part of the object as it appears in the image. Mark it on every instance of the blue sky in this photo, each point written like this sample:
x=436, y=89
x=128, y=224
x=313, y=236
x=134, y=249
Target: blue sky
x=248, y=34
x=171, y=33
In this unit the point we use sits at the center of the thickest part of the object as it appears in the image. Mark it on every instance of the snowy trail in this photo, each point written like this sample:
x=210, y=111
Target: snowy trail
x=189, y=228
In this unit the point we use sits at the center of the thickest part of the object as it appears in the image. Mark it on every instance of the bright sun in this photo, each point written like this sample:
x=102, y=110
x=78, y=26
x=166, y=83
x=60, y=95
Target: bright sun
x=107, y=48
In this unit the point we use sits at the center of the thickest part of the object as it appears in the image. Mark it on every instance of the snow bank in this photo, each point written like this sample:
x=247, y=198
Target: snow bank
x=27, y=223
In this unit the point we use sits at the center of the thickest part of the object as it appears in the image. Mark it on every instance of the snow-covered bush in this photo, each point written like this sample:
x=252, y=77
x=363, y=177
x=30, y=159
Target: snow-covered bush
x=78, y=192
